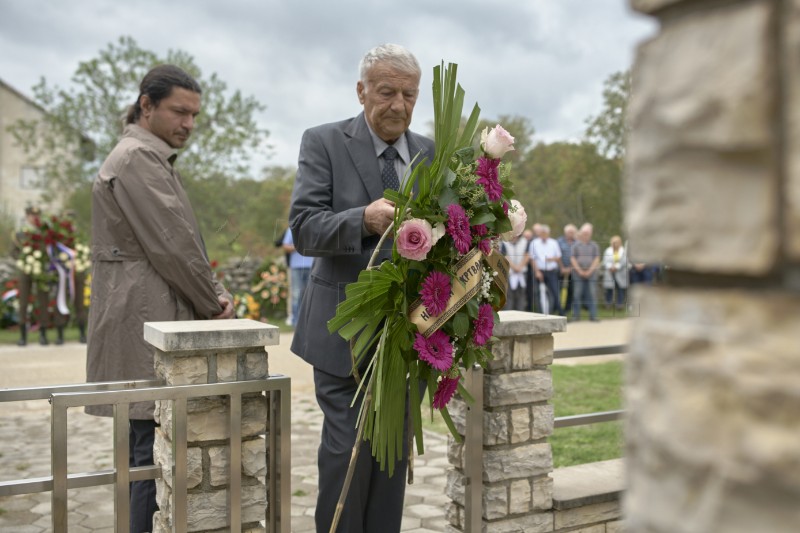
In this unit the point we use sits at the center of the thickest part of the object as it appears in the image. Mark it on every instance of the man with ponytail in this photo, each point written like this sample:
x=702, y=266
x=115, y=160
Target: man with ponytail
x=149, y=260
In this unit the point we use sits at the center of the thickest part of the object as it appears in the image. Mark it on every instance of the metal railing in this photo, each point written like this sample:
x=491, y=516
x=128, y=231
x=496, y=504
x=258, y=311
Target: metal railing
x=121, y=395
x=589, y=418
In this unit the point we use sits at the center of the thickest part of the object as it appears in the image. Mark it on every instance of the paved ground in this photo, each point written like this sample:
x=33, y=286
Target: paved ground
x=25, y=437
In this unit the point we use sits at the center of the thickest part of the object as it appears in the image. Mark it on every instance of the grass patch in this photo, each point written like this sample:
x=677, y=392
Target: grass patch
x=584, y=389
x=299, y=493
x=11, y=336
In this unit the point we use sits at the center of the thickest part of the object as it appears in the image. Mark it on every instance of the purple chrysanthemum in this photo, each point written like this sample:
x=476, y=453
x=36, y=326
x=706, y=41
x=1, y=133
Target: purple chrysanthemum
x=435, y=292
x=487, y=170
x=484, y=325
x=445, y=391
x=436, y=350
x=458, y=227
x=505, y=208
x=485, y=246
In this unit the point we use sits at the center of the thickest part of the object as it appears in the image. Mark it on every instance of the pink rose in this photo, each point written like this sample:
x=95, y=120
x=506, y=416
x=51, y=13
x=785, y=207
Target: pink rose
x=518, y=219
x=496, y=142
x=414, y=239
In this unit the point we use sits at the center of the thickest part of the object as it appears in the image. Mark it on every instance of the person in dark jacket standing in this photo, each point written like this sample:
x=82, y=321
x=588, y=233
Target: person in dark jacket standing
x=149, y=261
x=337, y=216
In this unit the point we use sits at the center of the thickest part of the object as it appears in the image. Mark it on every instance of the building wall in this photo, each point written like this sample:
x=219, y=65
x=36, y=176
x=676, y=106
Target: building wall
x=15, y=164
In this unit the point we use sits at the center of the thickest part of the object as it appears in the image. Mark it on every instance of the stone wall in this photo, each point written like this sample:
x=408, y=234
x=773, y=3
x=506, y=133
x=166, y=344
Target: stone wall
x=516, y=459
x=201, y=352
x=713, y=177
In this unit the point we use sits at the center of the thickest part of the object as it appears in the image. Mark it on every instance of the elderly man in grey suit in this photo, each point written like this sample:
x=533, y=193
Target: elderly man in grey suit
x=337, y=216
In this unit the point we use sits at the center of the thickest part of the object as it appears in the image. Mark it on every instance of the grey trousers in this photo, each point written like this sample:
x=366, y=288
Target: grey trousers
x=374, y=502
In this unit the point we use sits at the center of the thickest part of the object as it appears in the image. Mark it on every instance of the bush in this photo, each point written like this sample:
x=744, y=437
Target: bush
x=271, y=289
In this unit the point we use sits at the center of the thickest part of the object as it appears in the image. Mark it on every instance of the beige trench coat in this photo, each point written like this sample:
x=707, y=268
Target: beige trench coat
x=149, y=261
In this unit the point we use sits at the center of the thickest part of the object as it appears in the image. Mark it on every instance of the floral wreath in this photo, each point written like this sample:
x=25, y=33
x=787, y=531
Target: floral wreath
x=49, y=253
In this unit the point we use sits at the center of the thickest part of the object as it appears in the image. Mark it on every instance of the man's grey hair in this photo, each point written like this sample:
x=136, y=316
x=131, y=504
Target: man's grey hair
x=397, y=56
x=545, y=228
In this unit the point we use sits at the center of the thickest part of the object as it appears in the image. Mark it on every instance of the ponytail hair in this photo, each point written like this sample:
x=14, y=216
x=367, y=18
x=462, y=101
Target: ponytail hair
x=157, y=85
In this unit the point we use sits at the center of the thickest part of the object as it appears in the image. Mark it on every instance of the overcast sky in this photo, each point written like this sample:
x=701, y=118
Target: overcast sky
x=542, y=59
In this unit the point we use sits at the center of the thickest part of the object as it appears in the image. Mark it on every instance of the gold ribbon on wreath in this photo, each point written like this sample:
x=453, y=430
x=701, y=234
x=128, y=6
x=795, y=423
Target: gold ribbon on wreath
x=469, y=276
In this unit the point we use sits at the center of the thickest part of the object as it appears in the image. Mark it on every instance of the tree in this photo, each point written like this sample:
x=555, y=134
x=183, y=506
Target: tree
x=84, y=122
x=608, y=129
x=242, y=218
x=563, y=182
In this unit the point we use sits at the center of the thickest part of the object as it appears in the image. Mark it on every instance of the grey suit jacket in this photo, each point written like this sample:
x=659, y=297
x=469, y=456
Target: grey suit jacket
x=337, y=177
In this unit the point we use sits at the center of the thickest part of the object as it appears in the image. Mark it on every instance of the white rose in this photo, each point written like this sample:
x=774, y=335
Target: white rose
x=518, y=219
x=496, y=142
x=438, y=232
x=26, y=250
x=30, y=259
x=63, y=257
x=37, y=254
x=20, y=264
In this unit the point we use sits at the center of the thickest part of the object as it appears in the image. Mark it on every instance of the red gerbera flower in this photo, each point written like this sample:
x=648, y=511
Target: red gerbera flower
x=435, y=292
x=458, y=227
x=484, y=325
x=445, y=391
x=487, y=170
x=435, y=350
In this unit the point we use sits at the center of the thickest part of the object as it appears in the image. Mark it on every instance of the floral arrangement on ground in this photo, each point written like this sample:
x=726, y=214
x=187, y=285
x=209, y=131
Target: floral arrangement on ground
x=429, y=313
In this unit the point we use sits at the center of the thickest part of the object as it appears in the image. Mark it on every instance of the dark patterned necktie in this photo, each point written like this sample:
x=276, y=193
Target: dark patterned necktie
x=389, y=174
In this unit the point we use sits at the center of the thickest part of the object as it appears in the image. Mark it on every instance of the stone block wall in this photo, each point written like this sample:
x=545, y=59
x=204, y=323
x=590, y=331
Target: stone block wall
x=516, y=459
x=713, y=191
x=201, y=352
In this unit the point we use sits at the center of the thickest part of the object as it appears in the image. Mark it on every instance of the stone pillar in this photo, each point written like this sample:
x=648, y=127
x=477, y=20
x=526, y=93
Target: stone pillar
x=201, y=352
x=713, y=171
x=517, y=491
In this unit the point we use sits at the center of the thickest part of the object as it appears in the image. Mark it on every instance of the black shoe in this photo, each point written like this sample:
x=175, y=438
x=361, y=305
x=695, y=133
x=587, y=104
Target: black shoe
x=60, y=336
x=43, y=337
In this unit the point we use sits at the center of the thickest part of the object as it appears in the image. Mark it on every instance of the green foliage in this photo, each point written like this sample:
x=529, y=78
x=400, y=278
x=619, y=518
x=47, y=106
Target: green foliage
x=244, y=217
x=608, y=129
x=562, y=183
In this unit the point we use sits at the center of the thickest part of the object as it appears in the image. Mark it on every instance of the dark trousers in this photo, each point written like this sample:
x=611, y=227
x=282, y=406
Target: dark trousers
x=553, y=288
x=27, y=287
x=143, y=493
x=375, y=500
x=567, y=281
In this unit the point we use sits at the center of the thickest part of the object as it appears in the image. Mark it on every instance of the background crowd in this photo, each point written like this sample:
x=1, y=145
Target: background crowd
x=566, y=275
